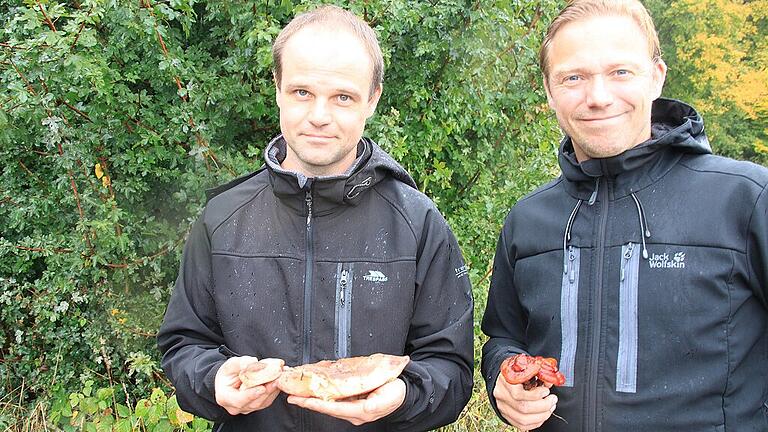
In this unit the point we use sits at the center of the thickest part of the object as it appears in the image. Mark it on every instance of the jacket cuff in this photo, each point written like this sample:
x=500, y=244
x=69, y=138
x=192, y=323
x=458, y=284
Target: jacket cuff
x=209, y=380
x=411, y=396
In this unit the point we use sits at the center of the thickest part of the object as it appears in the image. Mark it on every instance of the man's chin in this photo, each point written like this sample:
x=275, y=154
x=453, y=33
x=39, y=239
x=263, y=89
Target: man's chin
x=605, y=147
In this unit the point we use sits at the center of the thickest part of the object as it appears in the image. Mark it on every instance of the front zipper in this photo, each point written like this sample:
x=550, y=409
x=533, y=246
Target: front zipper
x=309, y=258
x=626, y=362
x=343, y=309
x=591, y=418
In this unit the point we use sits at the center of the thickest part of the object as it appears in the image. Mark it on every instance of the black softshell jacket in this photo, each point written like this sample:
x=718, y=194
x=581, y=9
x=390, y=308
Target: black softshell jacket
x=282, y=266
x=646, y=276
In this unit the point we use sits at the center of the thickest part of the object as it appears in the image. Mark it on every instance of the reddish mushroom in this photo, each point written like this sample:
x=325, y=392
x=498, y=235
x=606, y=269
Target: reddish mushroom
x=531, y=371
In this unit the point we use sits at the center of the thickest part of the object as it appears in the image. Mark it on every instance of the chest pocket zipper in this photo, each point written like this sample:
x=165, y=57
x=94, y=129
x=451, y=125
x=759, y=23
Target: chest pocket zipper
x=343, y=314
x=569, y=320
x=626, y=364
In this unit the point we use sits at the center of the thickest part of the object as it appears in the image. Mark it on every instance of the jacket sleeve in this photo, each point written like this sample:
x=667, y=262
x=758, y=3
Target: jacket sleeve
x=504, y=320
x=189, y=337
x=440, y=339
x=757, y=247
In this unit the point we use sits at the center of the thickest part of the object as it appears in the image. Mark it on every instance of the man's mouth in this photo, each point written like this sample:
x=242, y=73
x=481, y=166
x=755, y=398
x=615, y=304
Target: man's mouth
x=317, y=136
x=600, y=118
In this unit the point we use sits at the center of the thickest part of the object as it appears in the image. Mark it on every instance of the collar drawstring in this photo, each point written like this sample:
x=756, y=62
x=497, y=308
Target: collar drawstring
x=644, y=231
x=365, y=183
x=593, y=197
x=567, y=235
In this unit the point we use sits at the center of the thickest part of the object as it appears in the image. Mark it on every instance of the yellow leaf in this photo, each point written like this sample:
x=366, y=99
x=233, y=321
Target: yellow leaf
x=760, y=147
x=105, y=181
x=99, y=171
x=183, y=416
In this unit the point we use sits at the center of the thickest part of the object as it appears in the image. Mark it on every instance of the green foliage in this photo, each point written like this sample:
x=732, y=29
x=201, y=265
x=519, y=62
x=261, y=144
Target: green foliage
x=116, y=116
x=717, y=51
x=97, y=410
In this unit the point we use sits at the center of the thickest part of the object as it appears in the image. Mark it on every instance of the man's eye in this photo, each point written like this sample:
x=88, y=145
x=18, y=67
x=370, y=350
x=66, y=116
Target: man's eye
x=572, y=78
x=302, y=93
x=344, y=98
x=622, y=72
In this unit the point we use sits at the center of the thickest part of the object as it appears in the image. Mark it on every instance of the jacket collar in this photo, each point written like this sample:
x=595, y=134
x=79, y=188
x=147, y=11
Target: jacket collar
x=676, y=129
x=371, y=166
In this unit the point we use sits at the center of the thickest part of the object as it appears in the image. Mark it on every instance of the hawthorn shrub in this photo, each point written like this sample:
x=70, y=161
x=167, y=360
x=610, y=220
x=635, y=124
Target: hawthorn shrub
x=117, y=115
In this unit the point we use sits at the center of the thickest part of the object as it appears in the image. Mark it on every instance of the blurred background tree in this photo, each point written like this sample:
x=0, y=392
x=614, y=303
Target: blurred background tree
x=717, y=51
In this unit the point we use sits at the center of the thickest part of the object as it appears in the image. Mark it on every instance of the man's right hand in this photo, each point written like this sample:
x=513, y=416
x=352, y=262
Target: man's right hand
x=524, y=409
x=241, y=401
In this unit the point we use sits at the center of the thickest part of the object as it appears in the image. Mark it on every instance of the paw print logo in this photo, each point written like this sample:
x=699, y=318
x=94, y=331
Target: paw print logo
x=679, y=257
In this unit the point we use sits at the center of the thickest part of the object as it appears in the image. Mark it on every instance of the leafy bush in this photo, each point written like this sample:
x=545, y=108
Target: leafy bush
x=97, y=410
x=117, y=116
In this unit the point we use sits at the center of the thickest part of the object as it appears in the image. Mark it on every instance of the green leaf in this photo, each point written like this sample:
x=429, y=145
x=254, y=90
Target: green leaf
x=162, y=426
x=122, y=410
x=142, y=408
x=123, y=425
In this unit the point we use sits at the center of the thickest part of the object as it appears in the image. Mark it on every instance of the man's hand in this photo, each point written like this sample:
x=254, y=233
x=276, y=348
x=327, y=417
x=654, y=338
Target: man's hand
x=525, y=409
x=232, y=398
x=373, y=406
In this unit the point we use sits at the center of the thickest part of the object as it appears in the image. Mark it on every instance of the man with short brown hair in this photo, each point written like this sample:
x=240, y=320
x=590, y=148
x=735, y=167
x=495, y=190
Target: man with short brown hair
x=328, y=252
x=644, y=268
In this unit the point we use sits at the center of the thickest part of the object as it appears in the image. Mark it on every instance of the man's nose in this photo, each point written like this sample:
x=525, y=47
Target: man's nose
x=598, y=92
x=319, y=114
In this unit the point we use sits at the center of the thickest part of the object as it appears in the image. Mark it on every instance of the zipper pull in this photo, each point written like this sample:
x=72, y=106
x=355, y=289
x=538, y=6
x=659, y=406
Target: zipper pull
x=571, y=259
x=308, y=200
x=343, y=285
x=593, y=197
x=625, y=259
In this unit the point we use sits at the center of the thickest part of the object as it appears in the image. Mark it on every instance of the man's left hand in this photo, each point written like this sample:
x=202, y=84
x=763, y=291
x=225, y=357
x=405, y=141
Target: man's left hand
x=375, y=405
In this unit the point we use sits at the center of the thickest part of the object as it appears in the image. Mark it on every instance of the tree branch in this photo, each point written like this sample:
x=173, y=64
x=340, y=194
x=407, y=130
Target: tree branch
x=80, y=30
x=45, y=16
x=26, y=81
x=76, y=111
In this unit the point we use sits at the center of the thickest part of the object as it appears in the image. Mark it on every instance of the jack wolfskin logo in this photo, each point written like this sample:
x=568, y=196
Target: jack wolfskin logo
x=375, y=276
x=663, y=261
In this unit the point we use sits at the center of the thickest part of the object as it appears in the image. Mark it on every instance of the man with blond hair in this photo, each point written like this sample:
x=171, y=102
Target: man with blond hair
x=644, y=267
x=327, y=252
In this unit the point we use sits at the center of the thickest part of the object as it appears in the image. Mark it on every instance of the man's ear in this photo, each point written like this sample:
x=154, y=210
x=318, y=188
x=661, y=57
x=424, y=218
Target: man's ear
x=277, y=90
x=546, y=89
x=659, y=75
x=374, y=100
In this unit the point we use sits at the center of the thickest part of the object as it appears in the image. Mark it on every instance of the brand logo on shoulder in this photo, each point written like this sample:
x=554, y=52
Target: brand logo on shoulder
x=461, y=271
x=664, y=261
x=375, y=276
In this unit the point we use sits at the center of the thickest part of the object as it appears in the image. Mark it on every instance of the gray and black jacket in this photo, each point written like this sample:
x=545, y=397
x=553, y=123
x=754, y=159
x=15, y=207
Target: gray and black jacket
x=306, y=269
x=646, y=275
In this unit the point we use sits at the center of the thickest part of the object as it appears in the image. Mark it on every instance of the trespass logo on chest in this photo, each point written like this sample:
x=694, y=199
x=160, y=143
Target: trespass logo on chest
x=375, y=276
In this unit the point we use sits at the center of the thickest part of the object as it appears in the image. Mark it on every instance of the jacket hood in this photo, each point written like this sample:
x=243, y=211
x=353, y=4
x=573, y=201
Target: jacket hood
x=371, y=166
x=676, y=129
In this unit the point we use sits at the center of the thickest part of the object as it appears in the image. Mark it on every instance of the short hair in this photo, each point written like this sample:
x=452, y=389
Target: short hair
x=581, y=9
x=332, y=17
